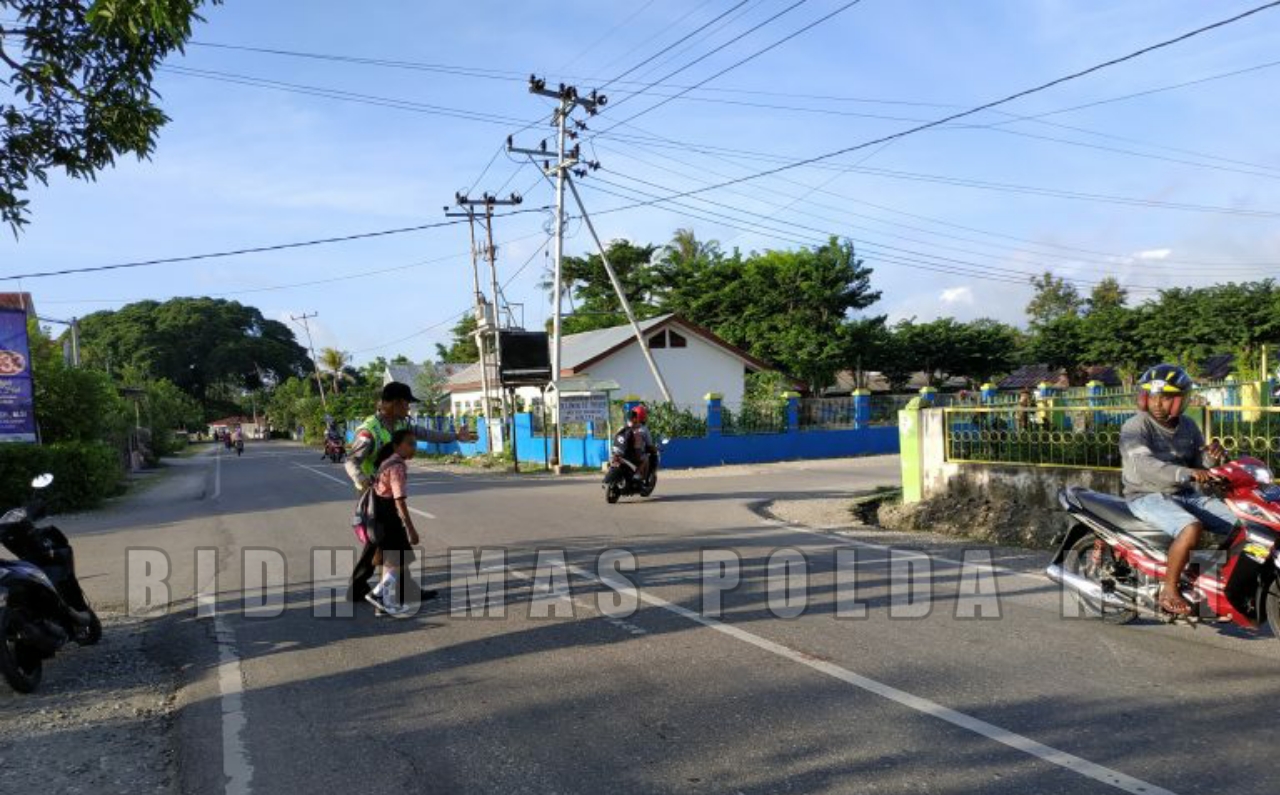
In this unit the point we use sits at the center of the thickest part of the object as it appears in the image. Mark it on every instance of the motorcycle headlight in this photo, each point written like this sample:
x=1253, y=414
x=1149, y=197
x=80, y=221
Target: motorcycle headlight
x=1260, y=473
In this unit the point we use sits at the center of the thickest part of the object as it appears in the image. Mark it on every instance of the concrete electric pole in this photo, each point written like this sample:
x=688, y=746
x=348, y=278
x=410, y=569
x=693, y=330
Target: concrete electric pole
x=565, y=161
x=315, y=363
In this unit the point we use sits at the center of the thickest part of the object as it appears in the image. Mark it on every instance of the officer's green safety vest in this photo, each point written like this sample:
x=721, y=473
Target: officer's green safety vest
x=381, y=436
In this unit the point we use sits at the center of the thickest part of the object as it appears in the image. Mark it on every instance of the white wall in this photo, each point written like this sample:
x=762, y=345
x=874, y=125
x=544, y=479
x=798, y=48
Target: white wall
x=690, y=372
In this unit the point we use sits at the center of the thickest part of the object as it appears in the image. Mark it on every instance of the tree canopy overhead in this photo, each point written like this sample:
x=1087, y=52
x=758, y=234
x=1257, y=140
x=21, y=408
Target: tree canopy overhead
x=207, y=347
x=80, y=74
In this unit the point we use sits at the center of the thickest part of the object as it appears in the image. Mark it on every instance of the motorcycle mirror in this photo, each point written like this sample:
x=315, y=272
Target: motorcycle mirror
x=42, y=481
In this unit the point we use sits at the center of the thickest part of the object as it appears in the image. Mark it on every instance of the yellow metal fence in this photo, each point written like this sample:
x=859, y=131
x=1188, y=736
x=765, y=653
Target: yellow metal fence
x=1089, y=438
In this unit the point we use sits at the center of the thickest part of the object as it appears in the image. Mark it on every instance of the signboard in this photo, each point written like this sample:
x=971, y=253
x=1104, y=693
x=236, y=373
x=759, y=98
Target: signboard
x=526, y=358
x=17, y=417
x=584, y=408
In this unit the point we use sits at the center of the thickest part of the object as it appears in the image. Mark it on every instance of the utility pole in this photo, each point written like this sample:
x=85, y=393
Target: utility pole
x=487, y=323
x=569, y=102
x=74, y=325
x=315, y=363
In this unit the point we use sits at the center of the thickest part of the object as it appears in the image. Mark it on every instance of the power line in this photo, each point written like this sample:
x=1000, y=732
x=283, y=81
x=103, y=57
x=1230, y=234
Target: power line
x=310, y=283
x=815, y=162
x=987, y=106
x=607, y=34
x=1110, y=259
x=683, y=91
x=641, y=45
x=459, y=315
x=895, y=250
x=736, y=64
x=715, y=50
x=349, y=96
x=676, y=43
x=241, y=251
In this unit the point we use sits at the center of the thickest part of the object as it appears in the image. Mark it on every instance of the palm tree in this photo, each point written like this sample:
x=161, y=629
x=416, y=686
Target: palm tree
x=334, y=362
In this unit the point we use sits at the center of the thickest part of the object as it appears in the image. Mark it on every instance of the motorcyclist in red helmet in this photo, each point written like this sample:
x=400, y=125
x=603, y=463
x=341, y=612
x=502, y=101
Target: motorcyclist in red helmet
x=641, y=441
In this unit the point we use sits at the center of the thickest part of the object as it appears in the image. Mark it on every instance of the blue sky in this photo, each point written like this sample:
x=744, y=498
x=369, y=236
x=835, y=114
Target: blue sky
x=243, y=166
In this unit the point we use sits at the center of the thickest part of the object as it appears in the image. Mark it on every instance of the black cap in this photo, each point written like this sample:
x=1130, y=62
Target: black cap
x=398, y=391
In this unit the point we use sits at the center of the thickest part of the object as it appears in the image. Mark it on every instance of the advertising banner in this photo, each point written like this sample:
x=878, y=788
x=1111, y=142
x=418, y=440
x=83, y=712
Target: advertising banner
x=17, y=416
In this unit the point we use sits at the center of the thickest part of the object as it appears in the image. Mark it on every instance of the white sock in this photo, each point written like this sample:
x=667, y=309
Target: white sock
x=387, y=585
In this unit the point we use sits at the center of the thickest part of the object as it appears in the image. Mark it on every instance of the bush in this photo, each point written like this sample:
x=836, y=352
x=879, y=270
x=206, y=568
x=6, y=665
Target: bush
x=84, y=473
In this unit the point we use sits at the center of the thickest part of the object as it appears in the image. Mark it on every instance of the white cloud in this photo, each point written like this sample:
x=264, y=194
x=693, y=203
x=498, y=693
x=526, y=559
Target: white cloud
x=957, y=295
x=1155, y=254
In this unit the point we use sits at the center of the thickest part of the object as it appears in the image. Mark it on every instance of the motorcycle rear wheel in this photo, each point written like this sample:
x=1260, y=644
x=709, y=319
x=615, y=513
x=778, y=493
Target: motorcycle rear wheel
x=21, y=666
x=1080, y=561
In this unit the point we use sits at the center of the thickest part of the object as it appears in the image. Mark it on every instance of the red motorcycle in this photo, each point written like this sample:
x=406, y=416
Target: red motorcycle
x=1115, y=563
x=334, y=450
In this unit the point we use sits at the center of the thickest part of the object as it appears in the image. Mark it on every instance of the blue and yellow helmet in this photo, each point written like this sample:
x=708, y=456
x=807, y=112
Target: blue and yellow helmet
x=1165, y=379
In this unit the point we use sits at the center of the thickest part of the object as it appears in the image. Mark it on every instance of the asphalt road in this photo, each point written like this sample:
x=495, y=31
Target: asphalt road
x=564, y=694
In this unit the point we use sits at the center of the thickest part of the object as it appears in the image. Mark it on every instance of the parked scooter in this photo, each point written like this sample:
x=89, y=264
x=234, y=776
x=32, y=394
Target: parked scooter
x=1115, y=563
x=621, y=479
x=42, y=606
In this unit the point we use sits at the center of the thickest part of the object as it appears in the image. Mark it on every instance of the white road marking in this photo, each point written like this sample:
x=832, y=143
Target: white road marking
x=342, y=482
x=315, y=471
x=236, y=767
x=924, y=706
x=625, y=626
x=217, y=476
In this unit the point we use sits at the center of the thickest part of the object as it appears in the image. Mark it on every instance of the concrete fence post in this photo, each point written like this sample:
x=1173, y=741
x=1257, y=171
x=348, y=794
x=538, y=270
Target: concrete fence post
x=715, y=415
x=793, y=411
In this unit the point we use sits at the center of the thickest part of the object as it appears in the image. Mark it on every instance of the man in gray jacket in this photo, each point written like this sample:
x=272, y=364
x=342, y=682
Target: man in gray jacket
x=1164, y=459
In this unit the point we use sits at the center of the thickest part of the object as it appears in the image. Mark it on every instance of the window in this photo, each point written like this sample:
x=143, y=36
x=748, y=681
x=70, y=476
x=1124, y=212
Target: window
x=658, y=340
x=678, y=341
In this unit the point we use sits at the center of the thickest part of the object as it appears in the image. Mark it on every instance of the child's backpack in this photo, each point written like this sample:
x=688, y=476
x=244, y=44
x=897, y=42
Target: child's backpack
x=362, y=522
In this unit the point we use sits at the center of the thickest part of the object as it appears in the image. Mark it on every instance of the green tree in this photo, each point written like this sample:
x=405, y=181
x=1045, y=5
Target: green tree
x=791, y=308
x=82, y=70
x=593, y=300
x=1054, y=298
x=212, y=349
x=463, y=349
x=1111, y=336
x=73, y=404
x=1059, y=343
x=429, y=387
x=334, y=363
x=1107, y=294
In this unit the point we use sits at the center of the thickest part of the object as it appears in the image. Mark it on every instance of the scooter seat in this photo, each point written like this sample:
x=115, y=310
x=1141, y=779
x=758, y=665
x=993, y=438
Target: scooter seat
x=1115, y=511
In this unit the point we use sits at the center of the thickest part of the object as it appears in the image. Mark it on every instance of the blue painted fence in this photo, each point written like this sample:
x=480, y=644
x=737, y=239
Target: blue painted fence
x=714, y=449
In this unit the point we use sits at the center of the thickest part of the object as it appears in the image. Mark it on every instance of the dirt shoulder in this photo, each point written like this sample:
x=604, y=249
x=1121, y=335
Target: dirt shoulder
x=101, y=720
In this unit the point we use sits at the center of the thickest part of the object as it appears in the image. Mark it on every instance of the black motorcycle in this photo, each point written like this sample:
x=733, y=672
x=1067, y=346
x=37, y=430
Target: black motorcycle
x=42, y=606
x=239, y=447
x=621, y=479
